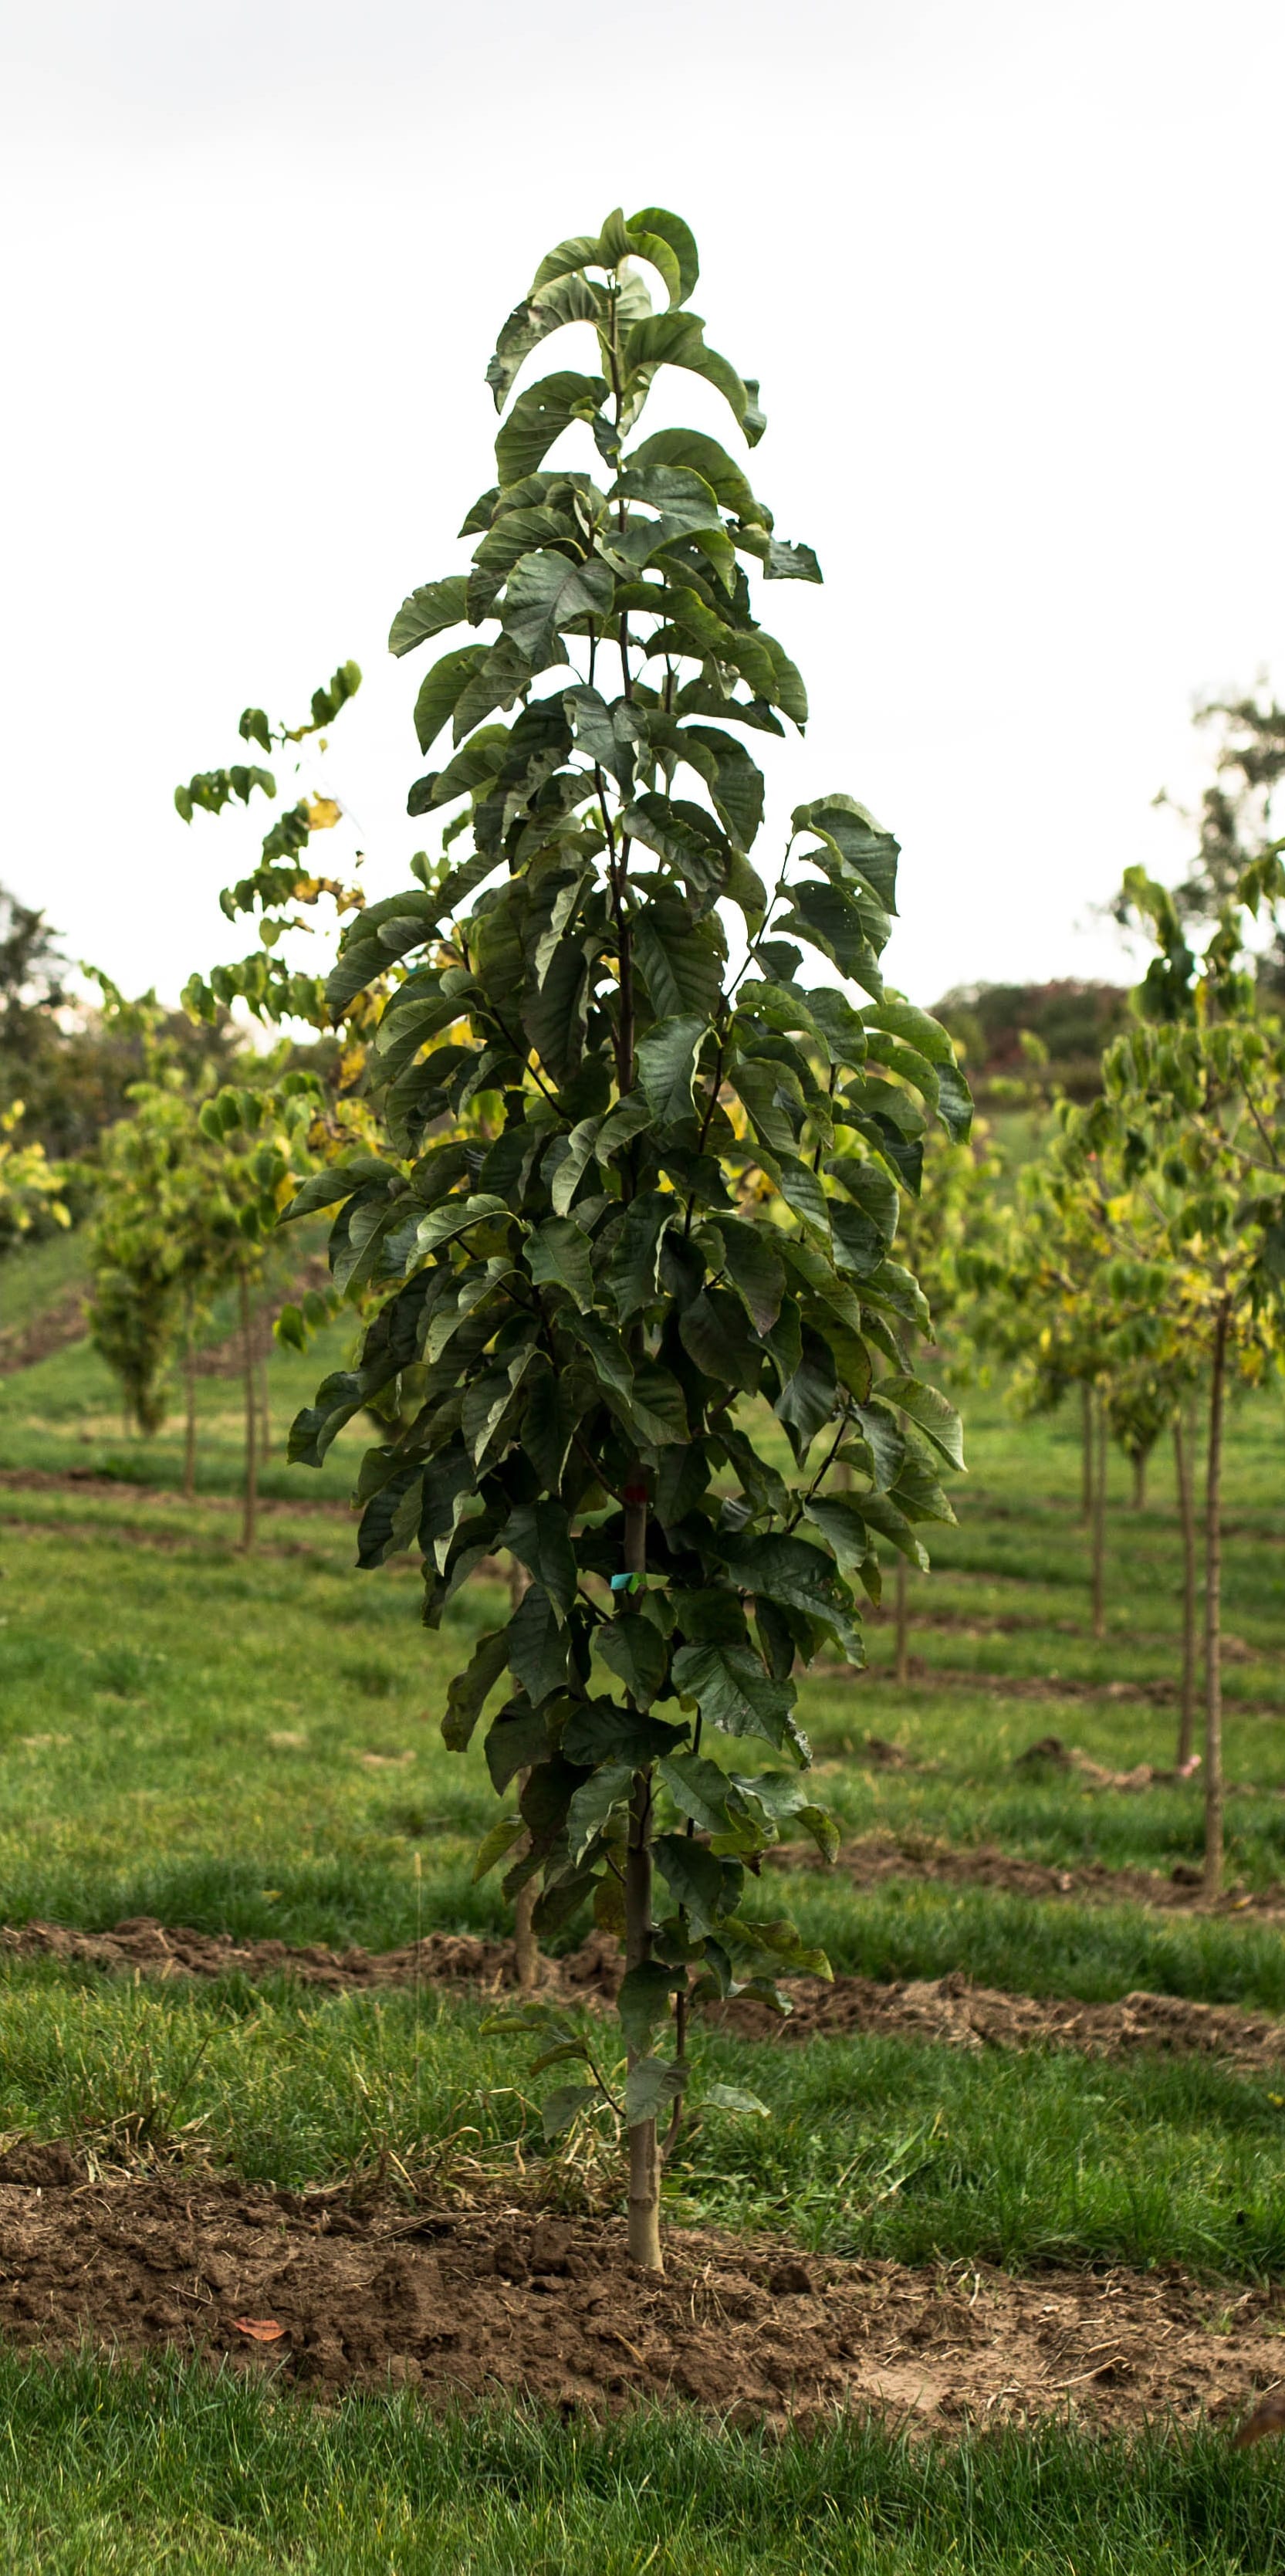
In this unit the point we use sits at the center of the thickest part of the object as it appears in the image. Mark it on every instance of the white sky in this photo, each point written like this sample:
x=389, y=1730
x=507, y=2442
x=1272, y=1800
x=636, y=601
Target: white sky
x=1006, y=268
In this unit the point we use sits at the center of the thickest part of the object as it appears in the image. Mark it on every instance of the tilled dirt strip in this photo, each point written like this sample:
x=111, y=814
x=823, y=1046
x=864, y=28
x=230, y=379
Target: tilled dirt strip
x=948, y=2010
x=503, y=2300
x=874, y=1858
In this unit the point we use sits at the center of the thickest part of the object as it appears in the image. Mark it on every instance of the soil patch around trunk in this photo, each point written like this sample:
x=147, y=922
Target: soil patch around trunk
x=946, y=2010
x=506, y=2300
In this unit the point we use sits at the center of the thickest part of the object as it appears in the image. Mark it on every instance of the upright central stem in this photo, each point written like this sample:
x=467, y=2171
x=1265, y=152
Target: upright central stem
x=644, y=2144
x=1099, y=1520
x=1187, y=1524
x=249, y=1508
x=1213, y=1611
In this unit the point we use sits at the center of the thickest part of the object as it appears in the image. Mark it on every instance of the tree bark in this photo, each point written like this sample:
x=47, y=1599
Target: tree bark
x=644, y=2144
x=526, y=1948
x=1214, y=1831
x=1187, y=1524
x=1099, y=1535
x=265, y=1404
x=903, y=1622
x=1086, y=1452
x=1139, y=1480
x=189, y=1427
x=250, y=1501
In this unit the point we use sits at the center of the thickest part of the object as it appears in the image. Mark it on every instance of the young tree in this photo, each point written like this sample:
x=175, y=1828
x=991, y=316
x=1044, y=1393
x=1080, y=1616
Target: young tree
x=30, y=1186
x=685, y=1219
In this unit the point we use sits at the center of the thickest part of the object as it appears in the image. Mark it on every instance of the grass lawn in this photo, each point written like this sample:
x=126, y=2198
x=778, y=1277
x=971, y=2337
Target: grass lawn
x=251, y=1745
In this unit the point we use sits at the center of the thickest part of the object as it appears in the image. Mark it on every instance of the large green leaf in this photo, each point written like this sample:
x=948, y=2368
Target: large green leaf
x=560, y=1255
x=467, y=1694
x=539, y=416
x=677, y=339
x=603, y=1792
x=539, y=1535
x=537, y=1642
x=569, y=298
x=428, y=611
x=636, y=1260
x=706, y=1888
x=515, y=1739
x=666, y=1065
x=442, y=689
x=652, y=2087
x=807, y=1399
x=701, y=1790
x=704, y=456
x=754, y=1267
x=546, y=592
x=600, y=1731
x=656, y=224
x=933, y=1412
x=635, y=1650
x=732, y=1690
x=643, y=2001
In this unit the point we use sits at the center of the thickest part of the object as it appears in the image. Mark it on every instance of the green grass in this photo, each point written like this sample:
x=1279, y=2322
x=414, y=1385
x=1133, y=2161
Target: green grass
x=158, y=2472
x=34, y=1276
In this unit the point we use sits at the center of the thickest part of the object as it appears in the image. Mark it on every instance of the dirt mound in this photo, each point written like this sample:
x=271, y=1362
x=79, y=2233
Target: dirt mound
x=506, y=2300
x=959, y=2015
x=446, y=1958
x=874, y=1858
x=22, y=1345
x=945, y=2009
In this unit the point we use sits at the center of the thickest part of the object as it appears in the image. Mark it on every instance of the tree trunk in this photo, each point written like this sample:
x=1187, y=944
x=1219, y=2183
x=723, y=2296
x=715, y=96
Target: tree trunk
x=1139, y=1480
x=189, y=1428
x=526, y=1948
x=1213, y=1612
x=644, y=2144
x=249, y=1508
x=1099, y=1520
x=1086, y=1453
x=903, y=1623
x=1187, y=1524
x=265, y=1402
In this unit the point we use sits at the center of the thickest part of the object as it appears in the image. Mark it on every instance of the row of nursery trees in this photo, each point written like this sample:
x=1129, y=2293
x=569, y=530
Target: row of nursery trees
x=628, y=1190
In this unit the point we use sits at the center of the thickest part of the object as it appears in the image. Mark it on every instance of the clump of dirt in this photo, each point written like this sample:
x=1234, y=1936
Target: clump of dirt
x=1049, y=1753
x=959, y=2015
x=448, y=1958
x=502, y=2299
x=946, y=2009
x=873, y=1859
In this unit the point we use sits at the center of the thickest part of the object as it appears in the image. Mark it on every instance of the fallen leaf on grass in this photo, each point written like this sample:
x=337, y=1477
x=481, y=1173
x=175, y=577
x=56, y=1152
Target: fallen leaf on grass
x=385, y=1761
x=263, y=2329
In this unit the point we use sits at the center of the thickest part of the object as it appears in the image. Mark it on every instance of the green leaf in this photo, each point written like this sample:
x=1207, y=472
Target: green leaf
x=601, y=1731
x=566, y=2104
x=442, y=689
x=539, y=1535
x=428, y=611
x=700, y=1789
x=708, y=1889
x=807, y=1399
x=606, y=1789
x=705, y=457
x=677, y=339
x=790, y=563
x=643, y=2001
x=504, y=1833
x=544, y=593
x=657, y=222
x=754, y=1268
x=738, y=785
x=651, y=2086
x=732, y=1690
x=559, y=1255
x=954, y=1103
x=656, y=1408
x=935, y=1415
x=666, y=1065
x=883, y=1516
x=537, y=1645
x=539, y=416
x=838, y=1517
x=517, y=1738
x=635, y=1261
x=730, y=2097
x=468, y=1693
x=570, y=298
x=635, y=1650
x=782, y=1941
x=680, y=961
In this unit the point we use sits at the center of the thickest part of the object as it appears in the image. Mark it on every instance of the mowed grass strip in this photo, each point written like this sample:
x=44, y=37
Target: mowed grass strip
x=873, y=2145
x=127, y=2471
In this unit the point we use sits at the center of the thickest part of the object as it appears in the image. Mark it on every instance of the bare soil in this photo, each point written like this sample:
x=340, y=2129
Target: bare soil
x=22, y=1345
x=506, y=2300
x=874, y=1858
x=947, y=2010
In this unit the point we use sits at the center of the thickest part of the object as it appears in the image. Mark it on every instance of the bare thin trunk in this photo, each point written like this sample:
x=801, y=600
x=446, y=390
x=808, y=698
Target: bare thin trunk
x=644, y=2144
x=189, y=1428
x=249, y=1507
x=1139, y=1480
x=1099, y=1521
x=903, y=1623
x=1086, y=1453
x=1187, y=1524
x=265, y=1404
x=1213, y=1611
x=526, y=1948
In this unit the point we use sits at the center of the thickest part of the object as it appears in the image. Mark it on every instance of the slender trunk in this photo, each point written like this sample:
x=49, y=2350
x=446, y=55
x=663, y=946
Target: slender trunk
x=1099, y=1521
x=1187, y=1524
x=903, y=1623
x=189, y=1428
x=644, y=2144
x=1213, y=1612
x=249, y=1508
x=1139, y=1480
x=1086, y=1453
x=526, y=1948
x=265, y=1401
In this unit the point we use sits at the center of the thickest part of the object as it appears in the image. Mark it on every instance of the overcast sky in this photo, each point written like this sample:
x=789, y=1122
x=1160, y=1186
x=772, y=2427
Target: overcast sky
x=1006, y=269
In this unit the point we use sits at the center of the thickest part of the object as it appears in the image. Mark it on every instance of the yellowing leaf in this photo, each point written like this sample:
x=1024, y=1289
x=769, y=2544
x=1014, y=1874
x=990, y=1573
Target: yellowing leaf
x=323, y=814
